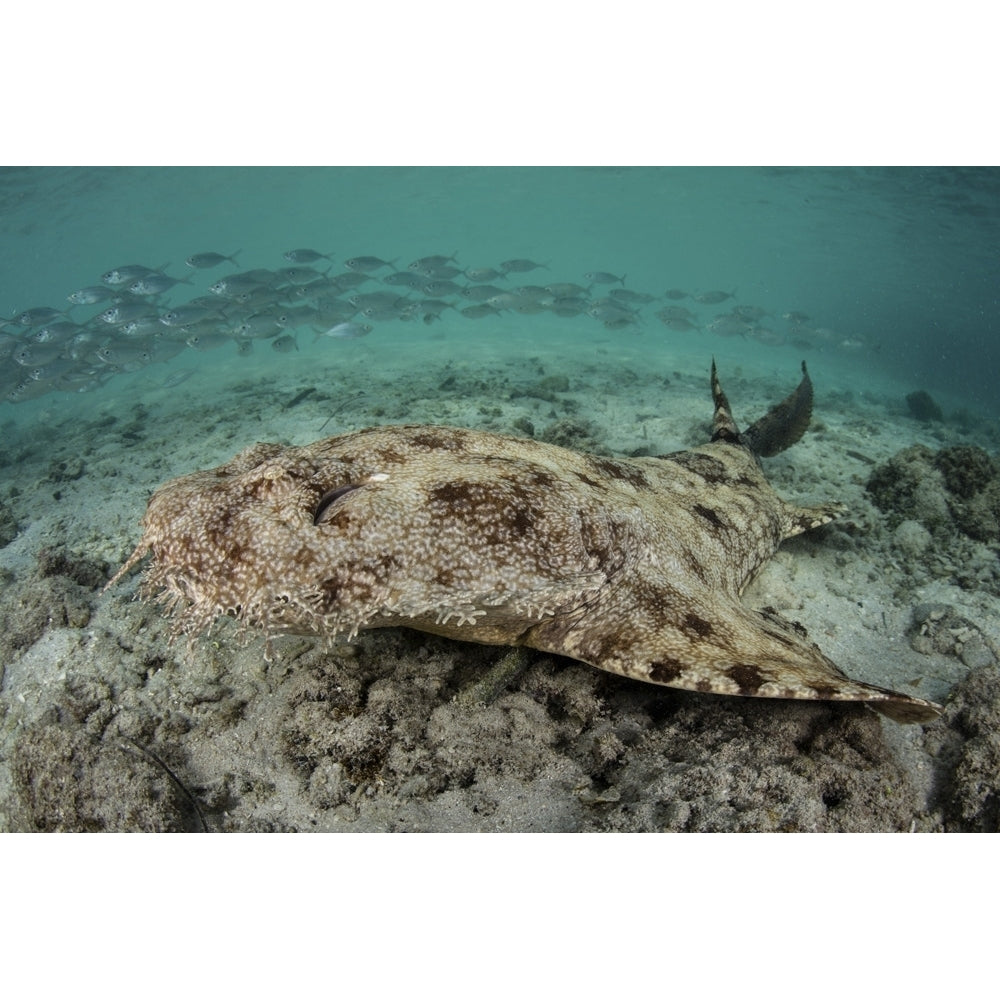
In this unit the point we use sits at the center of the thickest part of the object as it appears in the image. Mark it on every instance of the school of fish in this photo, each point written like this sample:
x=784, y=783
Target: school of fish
x=134, y=315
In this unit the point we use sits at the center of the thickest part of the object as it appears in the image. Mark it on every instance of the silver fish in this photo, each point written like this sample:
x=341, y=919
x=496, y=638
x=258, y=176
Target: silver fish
x=406, y=279
x=442, y=287
x=520, y=265
x=385, y=312
x=480, y=293
x=571, y=306
x=305, y=256
x=675, y=294
x=430, y=309
x=532, y=291
x=381, y=300
x=442, y=271
x=620, y=323
x=298, y=275
x=604, y=278
x=124, y=312
x=565, y=289
x=288, y=319
x=679, y=325
x=208, y=341
x=231, y=286
x=750, y=313
x=25, y=389
x=435, y=260
x=89, y=295
x=285, y=344
x=714, y=297
x=181, y=334
x=81, y=346
x=208, y=302
x=507, y=300
x=848, y=344
x=259, y=297
x=521, y=300
x=210, y=259
x=609, y=312
x=126, y=356
x=258, y=325
x=32, y=355
x=55, y=333
x=674, y=312
x=155, y=284
x=333, y=312
x=128, y=272
x=224, y=289
x=729, y=326
x=479, y=311
x=348, y=280
x=347, y=331
x=145, y=326
x=8, y=344
x=321, y=286
x=184, y=315
x=478, y=274
x=368, y=263
x=410, y=312
x=40, y=314
x=613, y=304
x=52, y=370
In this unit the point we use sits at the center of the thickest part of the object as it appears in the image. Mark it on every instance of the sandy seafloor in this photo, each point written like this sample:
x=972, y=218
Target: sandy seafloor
x=104, y=725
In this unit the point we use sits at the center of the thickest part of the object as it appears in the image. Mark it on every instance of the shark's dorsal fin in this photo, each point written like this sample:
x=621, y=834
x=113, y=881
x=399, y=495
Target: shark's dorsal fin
x=723, y=426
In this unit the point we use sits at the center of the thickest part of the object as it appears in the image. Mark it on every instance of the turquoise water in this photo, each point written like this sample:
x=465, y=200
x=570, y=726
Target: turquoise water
x=882, y=280
x=895, y=268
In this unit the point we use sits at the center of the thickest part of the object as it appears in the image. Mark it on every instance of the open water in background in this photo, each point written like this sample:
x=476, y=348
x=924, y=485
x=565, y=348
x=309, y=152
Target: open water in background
x=901, y=260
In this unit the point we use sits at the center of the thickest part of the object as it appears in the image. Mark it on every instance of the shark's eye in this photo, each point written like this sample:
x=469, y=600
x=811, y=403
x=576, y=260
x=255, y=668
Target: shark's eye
x=329, y=499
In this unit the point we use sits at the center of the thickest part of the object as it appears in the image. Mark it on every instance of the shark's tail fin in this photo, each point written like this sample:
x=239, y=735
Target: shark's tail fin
x=777, y=430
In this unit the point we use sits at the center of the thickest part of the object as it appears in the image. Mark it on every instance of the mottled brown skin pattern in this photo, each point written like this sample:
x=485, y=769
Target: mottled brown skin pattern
x=634, y=566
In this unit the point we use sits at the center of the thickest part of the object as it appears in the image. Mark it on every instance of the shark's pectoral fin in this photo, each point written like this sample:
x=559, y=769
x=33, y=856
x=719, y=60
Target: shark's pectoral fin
x=806, y=518
x=727, y=649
